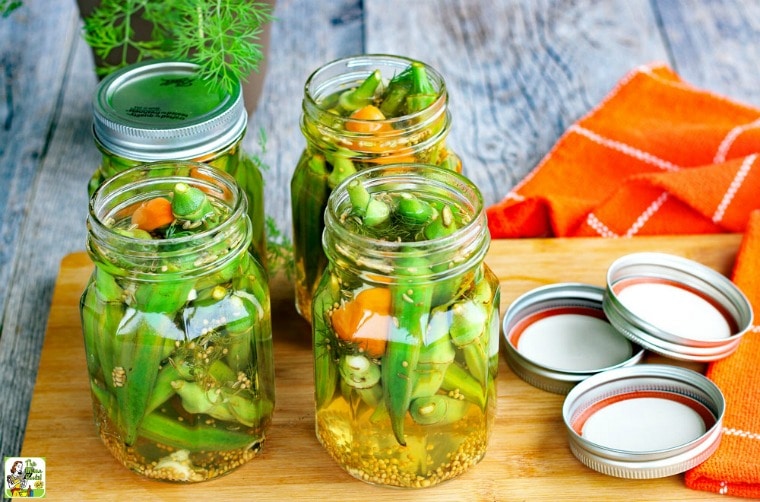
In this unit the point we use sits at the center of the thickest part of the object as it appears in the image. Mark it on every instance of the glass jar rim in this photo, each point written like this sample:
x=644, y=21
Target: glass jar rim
x=468, y=244
x=361, y=66
x=134, y=185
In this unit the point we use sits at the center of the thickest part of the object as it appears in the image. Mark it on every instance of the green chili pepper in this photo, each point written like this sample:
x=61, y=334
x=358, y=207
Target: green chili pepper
x=198, y=437
x=362, y=95
x=422, y=93
x=438, y=410
x=410, y=307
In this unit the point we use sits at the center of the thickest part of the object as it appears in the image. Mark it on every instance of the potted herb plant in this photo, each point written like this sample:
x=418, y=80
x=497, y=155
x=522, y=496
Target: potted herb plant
x=228, y=39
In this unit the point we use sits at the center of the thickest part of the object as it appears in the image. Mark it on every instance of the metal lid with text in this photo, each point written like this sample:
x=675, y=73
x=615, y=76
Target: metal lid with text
x=676, y=307
x=645, y=421
x=558, y=335
x=161, y=110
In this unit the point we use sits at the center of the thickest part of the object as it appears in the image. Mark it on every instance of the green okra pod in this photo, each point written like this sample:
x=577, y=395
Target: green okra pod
x=362, y=95
x=196, y=438
x=190, y=203
x=163, y=389
x=435, y=355
x=342, y=166
x=139, y=351
x=90, y=317
x=410, y=308
x=458, y=381
x=396, y=93
x=309, y=199
x=324, y=345
x=372, y=210
x=413, y=210
x=422, y=93
x=468, y=325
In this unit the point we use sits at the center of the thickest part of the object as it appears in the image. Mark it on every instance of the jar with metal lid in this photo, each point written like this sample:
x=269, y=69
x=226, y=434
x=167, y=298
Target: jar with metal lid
x=176, y=323
x=161, y=110
x=359, y=112
x=405, y=327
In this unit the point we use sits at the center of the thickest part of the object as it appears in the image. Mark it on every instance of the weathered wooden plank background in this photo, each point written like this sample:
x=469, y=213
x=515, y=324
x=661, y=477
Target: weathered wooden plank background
x=519, y=72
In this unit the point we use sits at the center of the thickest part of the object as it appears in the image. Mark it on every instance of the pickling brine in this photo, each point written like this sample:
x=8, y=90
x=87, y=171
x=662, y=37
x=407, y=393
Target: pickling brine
x=360, y=112
x=405, y=327
x=176, y=323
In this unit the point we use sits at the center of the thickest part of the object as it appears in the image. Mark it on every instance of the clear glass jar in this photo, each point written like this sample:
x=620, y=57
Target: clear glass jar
x=359, y=112
x=406, y=327
x=156, y=111
x=176, y=322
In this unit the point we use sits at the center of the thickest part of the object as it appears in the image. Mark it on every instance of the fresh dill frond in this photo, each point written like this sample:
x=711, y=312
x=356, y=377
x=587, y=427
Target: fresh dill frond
x=221, y=37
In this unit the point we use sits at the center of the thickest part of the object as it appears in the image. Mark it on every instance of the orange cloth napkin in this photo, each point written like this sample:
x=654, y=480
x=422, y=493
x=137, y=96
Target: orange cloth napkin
x=659, y=156
x=734, y=469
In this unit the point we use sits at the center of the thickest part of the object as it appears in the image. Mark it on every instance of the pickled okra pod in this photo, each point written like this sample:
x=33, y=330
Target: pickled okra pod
x=362, y=95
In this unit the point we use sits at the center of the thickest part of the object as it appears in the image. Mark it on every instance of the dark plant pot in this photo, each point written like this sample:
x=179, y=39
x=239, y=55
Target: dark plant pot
x=252, y=85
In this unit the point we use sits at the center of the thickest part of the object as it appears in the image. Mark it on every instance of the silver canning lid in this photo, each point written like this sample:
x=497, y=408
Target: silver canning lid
x=161, y=110
x=645, y=421
x=558, y=335
x=676, y=307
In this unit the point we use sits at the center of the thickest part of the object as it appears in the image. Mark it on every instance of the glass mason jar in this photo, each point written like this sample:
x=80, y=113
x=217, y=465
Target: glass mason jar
x=360, y=112
x=160, y=110
x=176, y=323
x=406, y=327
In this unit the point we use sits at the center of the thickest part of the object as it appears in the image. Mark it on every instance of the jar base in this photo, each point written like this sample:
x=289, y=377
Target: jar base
x=164, y=463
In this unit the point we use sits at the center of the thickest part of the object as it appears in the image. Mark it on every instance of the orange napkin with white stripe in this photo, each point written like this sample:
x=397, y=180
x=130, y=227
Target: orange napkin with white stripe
x=734, y=469
x=659, y=156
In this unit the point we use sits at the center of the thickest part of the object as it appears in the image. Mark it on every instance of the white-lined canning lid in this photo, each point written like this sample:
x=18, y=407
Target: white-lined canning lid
x=645, y=421
x=675, y=306
x=558, y=335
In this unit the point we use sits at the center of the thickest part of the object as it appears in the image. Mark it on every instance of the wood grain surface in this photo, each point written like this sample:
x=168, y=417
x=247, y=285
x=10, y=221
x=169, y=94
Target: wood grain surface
x=527, y=459
x=518, y=72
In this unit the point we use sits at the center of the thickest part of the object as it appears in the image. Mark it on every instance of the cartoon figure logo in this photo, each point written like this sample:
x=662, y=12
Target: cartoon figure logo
x=24, y=477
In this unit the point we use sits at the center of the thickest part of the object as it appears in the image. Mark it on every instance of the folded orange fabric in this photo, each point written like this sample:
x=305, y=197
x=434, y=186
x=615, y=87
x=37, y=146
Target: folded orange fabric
x=734, y=469
x=659, y=156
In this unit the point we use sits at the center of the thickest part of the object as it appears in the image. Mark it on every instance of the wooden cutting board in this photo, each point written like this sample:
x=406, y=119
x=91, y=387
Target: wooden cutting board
x=527, y=459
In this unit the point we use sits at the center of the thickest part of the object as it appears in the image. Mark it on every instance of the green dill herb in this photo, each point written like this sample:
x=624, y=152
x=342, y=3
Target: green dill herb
x=221, y=36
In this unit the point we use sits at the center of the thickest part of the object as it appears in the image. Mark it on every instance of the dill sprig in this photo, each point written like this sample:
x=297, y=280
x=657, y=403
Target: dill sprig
x=8, y=6
x=220, y=36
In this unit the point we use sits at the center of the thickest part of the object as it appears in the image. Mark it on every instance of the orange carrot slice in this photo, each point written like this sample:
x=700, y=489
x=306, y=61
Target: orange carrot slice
x=365, y=320
x=153, y=214
x=369, y=119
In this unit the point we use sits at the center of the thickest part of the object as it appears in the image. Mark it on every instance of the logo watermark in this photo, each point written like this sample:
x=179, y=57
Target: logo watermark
x=24, y=477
